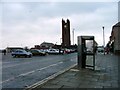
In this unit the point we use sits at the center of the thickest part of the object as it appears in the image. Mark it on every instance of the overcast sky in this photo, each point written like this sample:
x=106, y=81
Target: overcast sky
x=28, y=23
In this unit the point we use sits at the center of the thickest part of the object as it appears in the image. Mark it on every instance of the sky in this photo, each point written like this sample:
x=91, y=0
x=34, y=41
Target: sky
x=31, y=22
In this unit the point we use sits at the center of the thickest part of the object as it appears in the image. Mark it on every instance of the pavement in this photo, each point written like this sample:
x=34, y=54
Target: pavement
x=105, y=75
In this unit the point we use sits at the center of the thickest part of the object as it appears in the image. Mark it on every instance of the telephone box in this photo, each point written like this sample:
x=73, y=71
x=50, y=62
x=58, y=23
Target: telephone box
x=86, y=52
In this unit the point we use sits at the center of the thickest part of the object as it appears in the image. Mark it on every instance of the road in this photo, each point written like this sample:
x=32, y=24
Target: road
x=22, y=72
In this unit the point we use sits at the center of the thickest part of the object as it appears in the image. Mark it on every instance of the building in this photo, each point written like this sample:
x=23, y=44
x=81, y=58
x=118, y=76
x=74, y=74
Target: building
x=11, y=49
x=47, y=45
x=115, y=38
x=66, y=33
x=44, y=45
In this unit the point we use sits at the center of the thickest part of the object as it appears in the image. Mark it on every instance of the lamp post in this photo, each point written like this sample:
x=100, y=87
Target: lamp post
x=60, y=41
x=73, y=35
x=103, y=40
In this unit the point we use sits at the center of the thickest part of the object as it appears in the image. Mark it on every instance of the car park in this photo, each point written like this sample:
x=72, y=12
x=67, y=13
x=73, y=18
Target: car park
x=21, y=53
x=37, y=52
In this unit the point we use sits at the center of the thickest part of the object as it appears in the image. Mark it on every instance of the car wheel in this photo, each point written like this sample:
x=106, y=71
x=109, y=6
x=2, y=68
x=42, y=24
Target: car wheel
x=26, y=56
x=40, y=54
x=29, y=56
x=14, y=56
x=47, y=54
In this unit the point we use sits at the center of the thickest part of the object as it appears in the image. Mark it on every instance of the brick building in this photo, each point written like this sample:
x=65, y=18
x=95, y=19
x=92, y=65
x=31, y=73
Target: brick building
x=115, y=38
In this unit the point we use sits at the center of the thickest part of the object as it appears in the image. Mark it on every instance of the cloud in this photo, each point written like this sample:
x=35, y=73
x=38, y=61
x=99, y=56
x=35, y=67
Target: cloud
x=30, y=33
x=59, y=1
x=32, y=23
x=91, y=23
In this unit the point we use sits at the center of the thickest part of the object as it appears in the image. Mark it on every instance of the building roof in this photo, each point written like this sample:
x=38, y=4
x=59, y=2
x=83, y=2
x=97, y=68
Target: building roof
x=14, y=48
x=47, y=43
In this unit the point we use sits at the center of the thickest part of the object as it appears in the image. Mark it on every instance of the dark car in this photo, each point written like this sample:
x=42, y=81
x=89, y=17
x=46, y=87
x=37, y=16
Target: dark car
x=36, y=52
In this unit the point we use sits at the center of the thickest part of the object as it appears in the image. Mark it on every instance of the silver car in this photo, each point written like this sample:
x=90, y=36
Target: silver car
x=19, y=53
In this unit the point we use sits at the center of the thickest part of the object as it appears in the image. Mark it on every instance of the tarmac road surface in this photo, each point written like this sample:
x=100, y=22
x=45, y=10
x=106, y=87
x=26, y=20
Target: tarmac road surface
x=22, y=72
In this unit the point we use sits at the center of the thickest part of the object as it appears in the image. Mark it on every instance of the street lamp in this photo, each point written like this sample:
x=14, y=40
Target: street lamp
x=103, y=40
x=73, y=35
x=60, y=41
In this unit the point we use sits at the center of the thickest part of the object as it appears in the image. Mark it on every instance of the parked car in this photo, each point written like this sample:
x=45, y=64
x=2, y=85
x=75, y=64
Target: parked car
x=89, y=50
x=55, y=51
x=67, y=51
x=44, y=50
x=100, y=49
x=19, y=53
x=37, y=52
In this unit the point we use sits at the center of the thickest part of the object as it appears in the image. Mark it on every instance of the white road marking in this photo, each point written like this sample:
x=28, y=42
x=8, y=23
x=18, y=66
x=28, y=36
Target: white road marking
x=24, y=74
x=14, y=65
x=8, y=62
x=49, y=78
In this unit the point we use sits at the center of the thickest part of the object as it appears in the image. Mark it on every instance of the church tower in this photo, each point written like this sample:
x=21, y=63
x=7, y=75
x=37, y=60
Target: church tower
x=66, y=33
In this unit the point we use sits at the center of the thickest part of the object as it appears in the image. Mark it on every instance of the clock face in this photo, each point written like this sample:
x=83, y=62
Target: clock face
x=65, y=26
